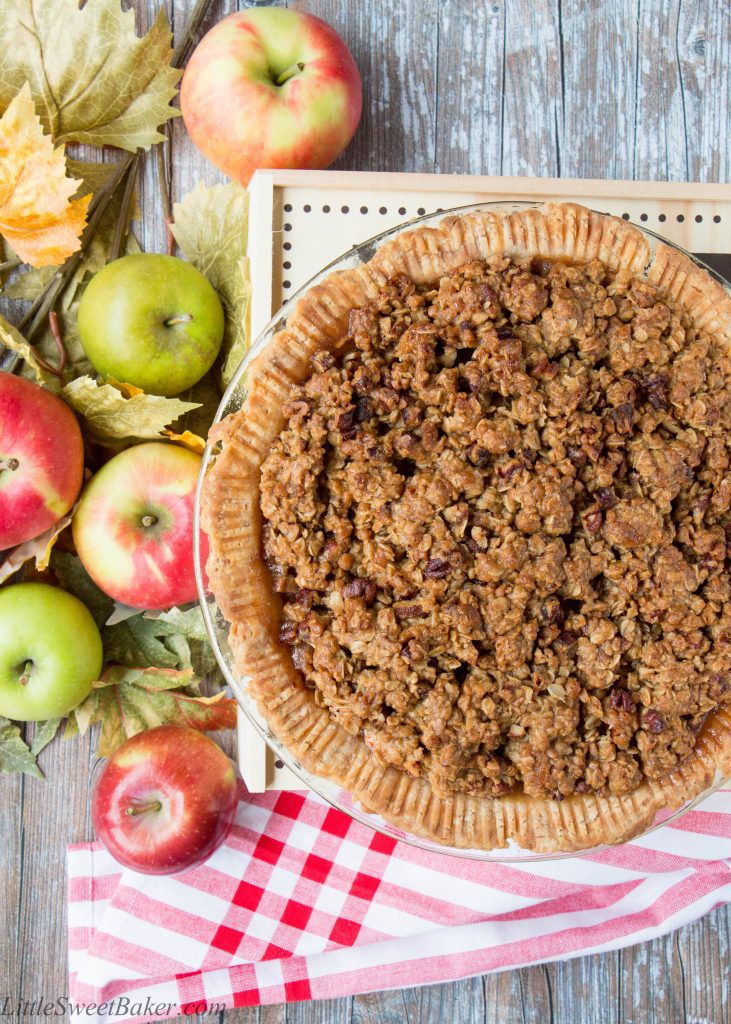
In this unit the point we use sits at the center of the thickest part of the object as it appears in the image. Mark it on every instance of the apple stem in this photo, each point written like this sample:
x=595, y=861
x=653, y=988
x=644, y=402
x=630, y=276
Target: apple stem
x=25, y=676
x=151, y=805
x=149, y=520
x=184, y=318
x=11, y=464
x=290, y=72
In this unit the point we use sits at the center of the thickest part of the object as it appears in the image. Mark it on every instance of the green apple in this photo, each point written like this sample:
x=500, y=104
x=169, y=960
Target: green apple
x=151, y=320
x=50, y=652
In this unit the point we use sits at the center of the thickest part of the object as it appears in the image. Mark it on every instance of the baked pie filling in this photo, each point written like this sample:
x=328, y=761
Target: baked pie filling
x=498, y=522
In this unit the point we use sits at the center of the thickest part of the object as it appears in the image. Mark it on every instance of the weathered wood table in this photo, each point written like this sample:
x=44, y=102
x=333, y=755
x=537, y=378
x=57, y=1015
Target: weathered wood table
x=598, y=88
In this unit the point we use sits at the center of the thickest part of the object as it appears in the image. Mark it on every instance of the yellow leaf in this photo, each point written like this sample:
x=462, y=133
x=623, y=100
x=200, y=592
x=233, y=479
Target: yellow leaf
x=128, y=390
x=188, y=440
x=39, y=548
x=37, y=215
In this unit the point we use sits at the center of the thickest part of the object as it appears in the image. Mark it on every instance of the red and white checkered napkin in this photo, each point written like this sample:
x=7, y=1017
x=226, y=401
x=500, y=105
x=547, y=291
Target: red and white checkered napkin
x=301, y=902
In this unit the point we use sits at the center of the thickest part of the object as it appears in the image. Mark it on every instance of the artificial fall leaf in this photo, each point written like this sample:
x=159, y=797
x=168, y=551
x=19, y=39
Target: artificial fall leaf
x=11, y=338
x=92, y=79
x=37, y=215
x=39, y=548
x=109, y=416
x=29, y=284
x=128, y=700
x=188, y=440
x=43, y=734
x=15, y=755
x=211, y=228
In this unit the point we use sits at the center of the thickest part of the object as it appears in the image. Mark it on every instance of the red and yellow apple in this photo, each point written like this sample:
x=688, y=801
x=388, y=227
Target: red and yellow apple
x=133, y=529
x=41, y=460
x=165, y=801
x=271, y=87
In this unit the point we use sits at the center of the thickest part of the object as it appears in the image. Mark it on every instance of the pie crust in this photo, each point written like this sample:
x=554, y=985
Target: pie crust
x=242, y=585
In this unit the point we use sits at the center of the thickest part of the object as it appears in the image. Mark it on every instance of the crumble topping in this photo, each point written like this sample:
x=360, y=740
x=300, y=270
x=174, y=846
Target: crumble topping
x=499, y=527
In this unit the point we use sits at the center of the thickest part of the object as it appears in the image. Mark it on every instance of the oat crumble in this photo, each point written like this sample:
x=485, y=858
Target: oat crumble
x=499, y=526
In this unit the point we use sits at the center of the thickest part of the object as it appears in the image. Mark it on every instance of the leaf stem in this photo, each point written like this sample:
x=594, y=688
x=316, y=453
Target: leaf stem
x=188, y=38
x=121, y=228
x=12, y=464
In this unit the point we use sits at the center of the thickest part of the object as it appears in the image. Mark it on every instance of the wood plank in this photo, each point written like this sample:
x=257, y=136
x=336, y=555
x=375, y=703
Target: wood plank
x=532, y=106
x=597, y=57
x=470, y=79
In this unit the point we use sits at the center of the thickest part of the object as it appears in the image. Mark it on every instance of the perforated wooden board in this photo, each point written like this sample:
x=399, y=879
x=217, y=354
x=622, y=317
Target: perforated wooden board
x=300, y=221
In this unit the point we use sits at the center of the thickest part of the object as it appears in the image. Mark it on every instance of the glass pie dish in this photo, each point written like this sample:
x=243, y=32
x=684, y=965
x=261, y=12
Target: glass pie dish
x=232, y=401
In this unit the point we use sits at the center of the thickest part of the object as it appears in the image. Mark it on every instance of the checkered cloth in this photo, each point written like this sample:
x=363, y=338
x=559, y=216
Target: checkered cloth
x=301, y=902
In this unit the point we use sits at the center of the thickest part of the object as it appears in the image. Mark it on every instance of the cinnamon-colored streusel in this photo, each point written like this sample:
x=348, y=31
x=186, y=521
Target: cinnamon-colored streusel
x=499, y=526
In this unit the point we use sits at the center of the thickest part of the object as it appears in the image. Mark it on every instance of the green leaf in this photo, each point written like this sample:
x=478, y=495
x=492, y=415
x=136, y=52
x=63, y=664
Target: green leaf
x=211, y=228
x=128, y=700
x=91, y=78
x=15, y=755
x=109, y=416
x=43, y=734
x=74, y=578
x=185, y=631
x=135, y=642
x=12, y=339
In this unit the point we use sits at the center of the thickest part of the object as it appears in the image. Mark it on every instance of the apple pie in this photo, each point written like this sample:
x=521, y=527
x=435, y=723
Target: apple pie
x=470, y=530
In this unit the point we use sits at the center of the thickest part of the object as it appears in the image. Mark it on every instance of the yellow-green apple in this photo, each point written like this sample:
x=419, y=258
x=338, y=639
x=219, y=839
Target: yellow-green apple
x=41, y=460
x=50, y=652
x=165, y=801
x=151, y=320
x=133, y=528
x=271, y=87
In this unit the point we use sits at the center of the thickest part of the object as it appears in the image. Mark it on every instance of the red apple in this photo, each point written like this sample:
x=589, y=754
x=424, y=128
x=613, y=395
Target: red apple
x=41, y=460
x=133, y=528
x=271, y=87
x=165, y=801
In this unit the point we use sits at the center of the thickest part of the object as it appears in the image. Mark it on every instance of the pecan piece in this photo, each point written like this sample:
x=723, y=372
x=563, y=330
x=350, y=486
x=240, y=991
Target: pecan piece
x=437, y=569
x=623, y=417
x=345, y=420
x=408, y=611
x=576, y=456
x=656, y=386
x=653, y=721
x=621, y=700
x=605, y=498
x=288, y=632
x=593, y=520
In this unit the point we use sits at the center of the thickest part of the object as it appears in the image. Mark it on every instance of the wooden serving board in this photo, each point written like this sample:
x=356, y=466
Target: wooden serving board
x=299, y=221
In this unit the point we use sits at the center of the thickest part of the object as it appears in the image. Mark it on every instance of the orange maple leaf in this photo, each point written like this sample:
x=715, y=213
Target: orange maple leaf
x=37, y=215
